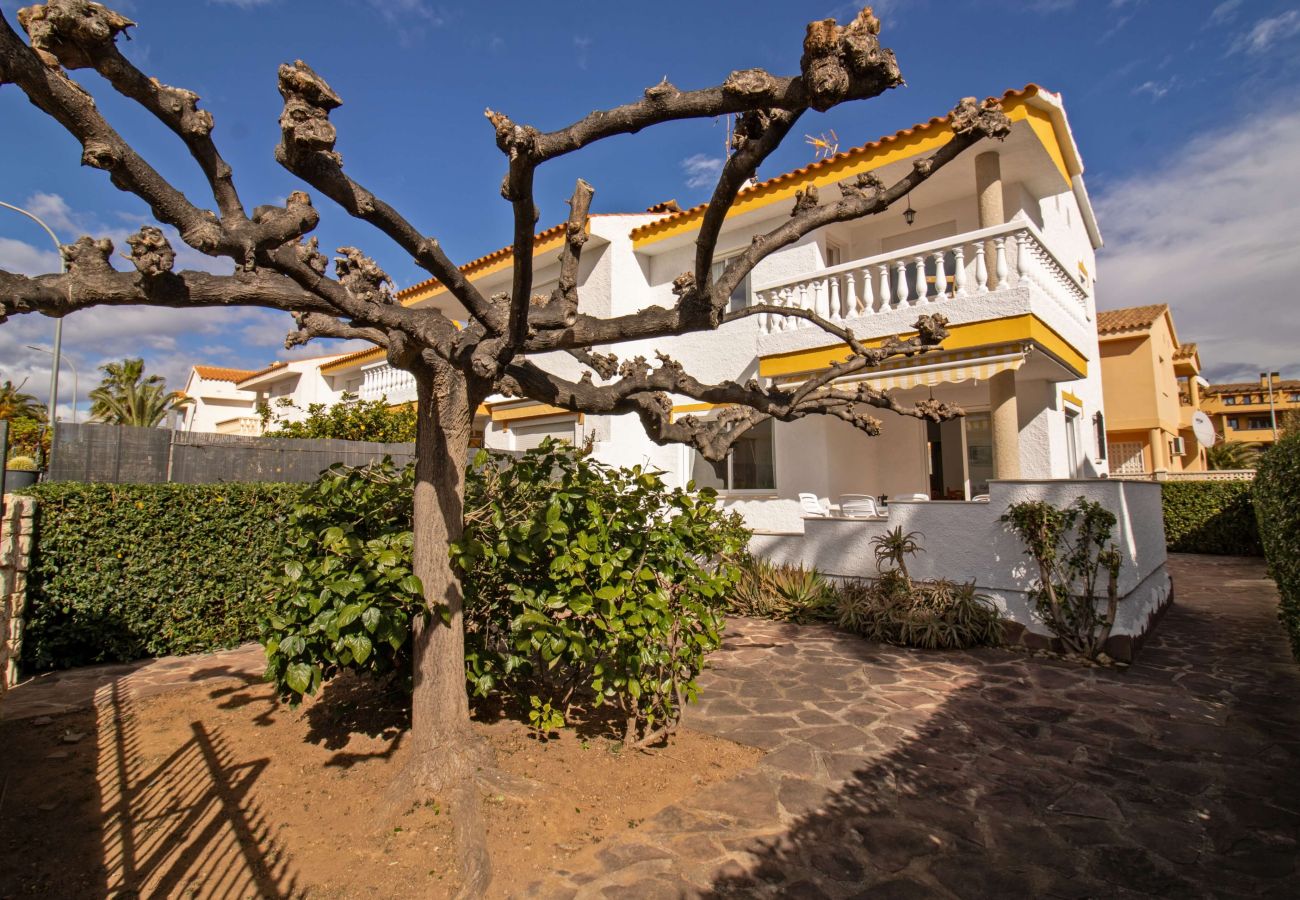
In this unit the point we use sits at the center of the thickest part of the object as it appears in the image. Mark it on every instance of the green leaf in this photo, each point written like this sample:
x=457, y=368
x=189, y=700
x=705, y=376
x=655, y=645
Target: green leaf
x=298, y=676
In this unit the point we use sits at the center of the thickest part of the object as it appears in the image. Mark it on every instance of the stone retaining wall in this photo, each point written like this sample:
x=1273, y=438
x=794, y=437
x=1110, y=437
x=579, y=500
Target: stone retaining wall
x=17, y=528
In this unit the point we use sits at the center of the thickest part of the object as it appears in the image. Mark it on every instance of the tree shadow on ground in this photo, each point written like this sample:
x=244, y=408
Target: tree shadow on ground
x=1176, y=777
x=104, y=817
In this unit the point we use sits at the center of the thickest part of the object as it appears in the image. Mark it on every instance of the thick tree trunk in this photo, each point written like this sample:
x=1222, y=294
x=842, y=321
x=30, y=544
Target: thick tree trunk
x=446, y=755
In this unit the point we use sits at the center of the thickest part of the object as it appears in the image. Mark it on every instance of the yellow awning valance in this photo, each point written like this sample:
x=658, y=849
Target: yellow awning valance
x=949, y=368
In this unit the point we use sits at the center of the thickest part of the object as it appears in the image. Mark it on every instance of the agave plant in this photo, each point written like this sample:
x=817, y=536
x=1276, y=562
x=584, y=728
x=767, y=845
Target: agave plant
x=787, y=593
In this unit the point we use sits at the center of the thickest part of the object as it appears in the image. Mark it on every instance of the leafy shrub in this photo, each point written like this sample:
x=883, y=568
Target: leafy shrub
x=21, y=464
x=938, y=614
x=343, y=595
x=1277, y=504
x=588, y=582
x=1070, y=547
x=786, y=593
x=351, y=419
x=1210, y=517
x=122, y=572
x=582, y=583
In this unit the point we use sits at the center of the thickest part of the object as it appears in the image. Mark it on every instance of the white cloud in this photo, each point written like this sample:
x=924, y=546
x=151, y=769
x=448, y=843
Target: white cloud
x=1224, y=12
x=1212, y=232
x=1156, y=89
x=702, y=170
x=1267, y=32
x=243, y=4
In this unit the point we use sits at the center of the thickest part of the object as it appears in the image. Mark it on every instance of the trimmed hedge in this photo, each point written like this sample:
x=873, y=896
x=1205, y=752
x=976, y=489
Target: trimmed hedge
x=123, y=572
x=1210, y=517
x=1277, y=505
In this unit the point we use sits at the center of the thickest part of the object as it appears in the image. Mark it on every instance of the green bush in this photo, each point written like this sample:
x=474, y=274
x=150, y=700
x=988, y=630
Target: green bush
x=583, y=583
x=20, y=464
x=342, y=592
x=351, y=419
x=1277, y=505
x=1210, y=517
x=122, y=572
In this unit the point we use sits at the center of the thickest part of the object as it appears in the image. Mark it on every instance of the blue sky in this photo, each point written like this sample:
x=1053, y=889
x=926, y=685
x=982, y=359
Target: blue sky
x=1184, y=112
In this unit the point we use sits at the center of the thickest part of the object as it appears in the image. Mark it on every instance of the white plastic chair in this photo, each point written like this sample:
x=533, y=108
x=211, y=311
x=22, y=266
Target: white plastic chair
x=919, y=498
x=864, y=508
x=980, y=498
x=812, y=506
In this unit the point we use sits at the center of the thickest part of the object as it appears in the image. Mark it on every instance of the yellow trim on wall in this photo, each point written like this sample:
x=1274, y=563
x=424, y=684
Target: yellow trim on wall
x=1040, y=120
x=1072, y=398
x=922, y=139
x=529, y=411
x=1027, y=327
x=341, y=364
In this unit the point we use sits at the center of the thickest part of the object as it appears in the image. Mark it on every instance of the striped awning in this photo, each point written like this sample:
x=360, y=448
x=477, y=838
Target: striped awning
x=947, y=368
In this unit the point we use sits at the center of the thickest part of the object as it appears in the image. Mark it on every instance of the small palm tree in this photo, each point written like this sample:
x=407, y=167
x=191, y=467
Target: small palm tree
x=127, y=396
x=1232, y=455
x=14, y=404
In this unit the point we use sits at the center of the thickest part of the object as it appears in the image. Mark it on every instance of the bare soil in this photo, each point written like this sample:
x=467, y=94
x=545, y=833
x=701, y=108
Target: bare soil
x=221, y=791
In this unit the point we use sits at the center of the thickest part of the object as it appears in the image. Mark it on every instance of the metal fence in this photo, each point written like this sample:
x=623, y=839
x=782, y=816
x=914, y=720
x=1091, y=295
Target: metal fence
x=121, y=454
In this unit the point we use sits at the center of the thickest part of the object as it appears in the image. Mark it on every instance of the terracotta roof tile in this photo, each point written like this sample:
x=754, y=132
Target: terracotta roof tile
x=1131, y=318
x=221, y=373
x=1254, y=387
x=658, y=224
x=1186, y=351
x=351, y=358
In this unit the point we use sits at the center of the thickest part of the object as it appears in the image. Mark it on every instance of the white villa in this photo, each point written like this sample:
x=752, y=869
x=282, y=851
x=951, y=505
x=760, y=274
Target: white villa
x=226, y=401
x=1002, y=241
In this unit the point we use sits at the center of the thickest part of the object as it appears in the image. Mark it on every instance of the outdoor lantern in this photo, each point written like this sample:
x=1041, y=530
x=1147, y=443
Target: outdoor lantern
x=909, y=214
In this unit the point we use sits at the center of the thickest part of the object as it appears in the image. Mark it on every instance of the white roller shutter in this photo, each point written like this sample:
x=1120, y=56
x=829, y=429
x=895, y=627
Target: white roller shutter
x=526, y=437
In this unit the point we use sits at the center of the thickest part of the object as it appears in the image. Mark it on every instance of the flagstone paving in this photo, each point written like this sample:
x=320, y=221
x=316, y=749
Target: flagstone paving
x=896, y=773
x=901, y=773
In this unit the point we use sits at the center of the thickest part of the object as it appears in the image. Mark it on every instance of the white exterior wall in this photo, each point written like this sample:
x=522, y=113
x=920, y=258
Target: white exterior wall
x=969, y=542
x=215, y=401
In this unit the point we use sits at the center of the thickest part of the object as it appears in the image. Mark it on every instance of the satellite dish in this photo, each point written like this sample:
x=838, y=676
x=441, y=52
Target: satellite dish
x=1203, y=428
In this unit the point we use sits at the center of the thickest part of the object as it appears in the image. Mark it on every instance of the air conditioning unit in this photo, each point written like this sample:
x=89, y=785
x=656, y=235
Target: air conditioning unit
x=1178, y=447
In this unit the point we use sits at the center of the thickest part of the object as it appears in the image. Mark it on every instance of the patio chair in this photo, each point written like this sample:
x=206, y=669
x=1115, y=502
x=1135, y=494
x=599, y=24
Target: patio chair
x=980, y=498
x=812, y=506
x=919, y=498
x=861, y=508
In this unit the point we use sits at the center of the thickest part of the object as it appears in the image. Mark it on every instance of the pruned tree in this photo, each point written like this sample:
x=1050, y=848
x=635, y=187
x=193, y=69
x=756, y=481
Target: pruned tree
x=280, y=267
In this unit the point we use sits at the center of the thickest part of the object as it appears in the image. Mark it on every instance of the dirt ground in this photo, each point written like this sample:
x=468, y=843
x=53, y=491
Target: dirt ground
x=221, y=792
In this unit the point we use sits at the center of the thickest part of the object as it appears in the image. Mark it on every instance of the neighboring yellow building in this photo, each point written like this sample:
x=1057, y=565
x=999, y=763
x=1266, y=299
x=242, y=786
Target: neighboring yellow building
x=1152, y=387
x=1240, y=411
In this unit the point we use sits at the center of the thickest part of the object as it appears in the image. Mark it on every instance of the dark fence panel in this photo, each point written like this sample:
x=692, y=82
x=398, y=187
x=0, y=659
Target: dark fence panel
x=109, y=453
x=125, y=455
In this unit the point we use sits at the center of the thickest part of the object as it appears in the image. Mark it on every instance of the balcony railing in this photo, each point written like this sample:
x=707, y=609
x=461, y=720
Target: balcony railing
x=246, y=426
x=982, y=262
x=385, y=382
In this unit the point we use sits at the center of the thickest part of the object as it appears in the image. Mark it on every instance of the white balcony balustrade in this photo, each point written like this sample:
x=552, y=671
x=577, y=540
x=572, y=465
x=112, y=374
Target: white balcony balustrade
x=982, y=262
x=384, y=382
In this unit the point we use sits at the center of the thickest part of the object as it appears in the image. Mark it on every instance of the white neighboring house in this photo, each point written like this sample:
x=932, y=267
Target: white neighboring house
x=1002, y=241
x=226, y=401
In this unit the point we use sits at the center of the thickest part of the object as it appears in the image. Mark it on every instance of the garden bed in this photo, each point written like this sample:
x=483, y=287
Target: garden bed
x=218, y=790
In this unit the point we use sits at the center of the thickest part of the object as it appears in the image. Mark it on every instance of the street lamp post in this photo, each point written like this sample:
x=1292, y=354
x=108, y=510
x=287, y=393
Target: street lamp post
x=58, y=323
x=1272, y=410
x=76, y=380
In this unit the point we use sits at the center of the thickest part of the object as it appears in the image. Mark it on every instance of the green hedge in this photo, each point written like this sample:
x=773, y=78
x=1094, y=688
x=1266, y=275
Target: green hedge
x=123, y=572
x=1210, y=517
x=1277, y=505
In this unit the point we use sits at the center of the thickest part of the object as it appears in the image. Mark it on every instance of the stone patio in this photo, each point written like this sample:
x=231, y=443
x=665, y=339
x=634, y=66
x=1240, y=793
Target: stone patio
x=900, y=773
x=896, y=773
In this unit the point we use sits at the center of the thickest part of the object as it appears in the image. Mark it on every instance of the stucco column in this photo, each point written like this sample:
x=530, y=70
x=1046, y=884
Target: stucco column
x=1159, y=464
x=988, y=193
x=1004, y=415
